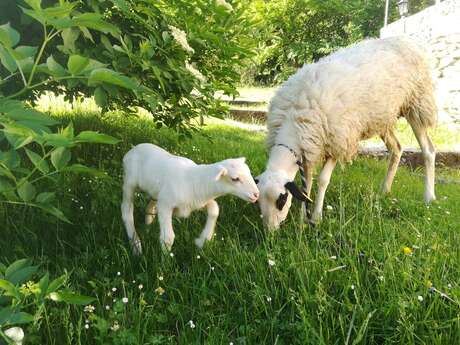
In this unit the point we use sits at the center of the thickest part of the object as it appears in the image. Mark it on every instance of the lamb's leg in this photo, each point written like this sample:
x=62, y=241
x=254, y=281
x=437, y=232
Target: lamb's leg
x=394, y=148
x=308, y=170
x=323, y=182
x=166, y=228
x=127, y=210
x=429, y=156
x=150, y=212
x=208, y=231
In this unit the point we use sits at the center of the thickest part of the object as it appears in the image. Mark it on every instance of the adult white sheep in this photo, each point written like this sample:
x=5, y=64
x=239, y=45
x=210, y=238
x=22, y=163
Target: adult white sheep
x=322, y=112
x=177, y=187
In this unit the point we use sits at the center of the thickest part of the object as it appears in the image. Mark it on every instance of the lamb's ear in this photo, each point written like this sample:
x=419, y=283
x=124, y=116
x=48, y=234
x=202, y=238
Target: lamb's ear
x=222, y=172
x=281, y=201
x=296, y=192
x=257, y=179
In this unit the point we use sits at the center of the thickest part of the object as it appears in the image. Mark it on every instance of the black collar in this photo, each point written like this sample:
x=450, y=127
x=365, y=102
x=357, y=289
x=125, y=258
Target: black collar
x=298, y=158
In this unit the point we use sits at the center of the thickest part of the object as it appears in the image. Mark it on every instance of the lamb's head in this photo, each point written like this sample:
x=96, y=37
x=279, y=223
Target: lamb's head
x=276, y=192
x=235, y=178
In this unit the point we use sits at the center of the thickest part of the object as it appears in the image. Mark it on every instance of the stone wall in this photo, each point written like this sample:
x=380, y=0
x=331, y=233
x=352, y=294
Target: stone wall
x=437, y=28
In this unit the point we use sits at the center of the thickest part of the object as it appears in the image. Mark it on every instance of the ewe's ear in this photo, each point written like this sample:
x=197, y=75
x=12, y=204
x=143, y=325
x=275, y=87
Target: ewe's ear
x=281, y=201
x=296, y=192
x=242, y=159
x=222, y=172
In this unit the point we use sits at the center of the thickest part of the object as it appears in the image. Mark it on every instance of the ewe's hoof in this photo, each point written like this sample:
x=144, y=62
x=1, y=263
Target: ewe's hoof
x=199, y=242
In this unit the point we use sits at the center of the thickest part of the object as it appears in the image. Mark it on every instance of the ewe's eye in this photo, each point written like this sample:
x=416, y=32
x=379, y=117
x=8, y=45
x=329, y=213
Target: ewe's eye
x=235, y=179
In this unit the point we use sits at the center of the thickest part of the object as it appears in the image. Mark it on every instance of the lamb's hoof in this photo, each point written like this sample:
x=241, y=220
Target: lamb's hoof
x=199, y=242
x=136, y=247
x=429, y=198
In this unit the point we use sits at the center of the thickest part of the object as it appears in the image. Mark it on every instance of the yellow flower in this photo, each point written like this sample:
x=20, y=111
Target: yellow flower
x=429, y=284
x=407, y=250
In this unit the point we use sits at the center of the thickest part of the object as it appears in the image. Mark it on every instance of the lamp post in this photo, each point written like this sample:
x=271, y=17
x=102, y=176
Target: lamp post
x=403, y=7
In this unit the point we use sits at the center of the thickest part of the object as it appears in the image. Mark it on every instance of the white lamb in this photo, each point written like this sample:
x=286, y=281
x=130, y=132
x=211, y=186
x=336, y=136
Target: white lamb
x=177, y=187
x=324, y=110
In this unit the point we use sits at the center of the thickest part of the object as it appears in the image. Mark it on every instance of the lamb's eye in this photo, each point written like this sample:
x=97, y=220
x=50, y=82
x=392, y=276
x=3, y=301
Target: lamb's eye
x=235, y=179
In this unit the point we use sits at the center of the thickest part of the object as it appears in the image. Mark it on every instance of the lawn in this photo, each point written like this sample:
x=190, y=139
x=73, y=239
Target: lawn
x=349, y=281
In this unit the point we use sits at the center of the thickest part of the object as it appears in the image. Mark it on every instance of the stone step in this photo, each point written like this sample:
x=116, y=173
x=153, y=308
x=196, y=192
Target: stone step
x=244, y=102
x=245, y=115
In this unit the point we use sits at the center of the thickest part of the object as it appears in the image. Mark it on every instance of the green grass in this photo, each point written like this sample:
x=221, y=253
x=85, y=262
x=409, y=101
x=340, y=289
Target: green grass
x=228, y=289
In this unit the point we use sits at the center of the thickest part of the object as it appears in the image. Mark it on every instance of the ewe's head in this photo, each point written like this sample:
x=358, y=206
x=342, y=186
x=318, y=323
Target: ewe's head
x=276, y=192
x=235, y=177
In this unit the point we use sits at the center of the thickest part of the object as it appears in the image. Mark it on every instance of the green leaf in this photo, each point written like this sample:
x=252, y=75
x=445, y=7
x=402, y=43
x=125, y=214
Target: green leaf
x=43, y=284
x=9, y=288
x=35, y=4
x=100, y=96
x=8, y=316
x=16, y=266
x=94, y=137
x=69, y=36
x=55, y=68
x=57, y=140
x=25, y=52
x=95, y=21
x=56, y=283
x=7, y=60
x=35, y=13
x=45, y=197
x=22, y=275
x=108, y=76
x=70, y=297
x=38, y=161
x=60, y=11
x=60, y=157
x=27, y=191
x=9, y=37
x=76, y=64
x=10, y=158
x=31, y=115
x=53, y=211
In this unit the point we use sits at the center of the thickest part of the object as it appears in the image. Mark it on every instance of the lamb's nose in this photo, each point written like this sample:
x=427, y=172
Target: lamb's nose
x=256, y=195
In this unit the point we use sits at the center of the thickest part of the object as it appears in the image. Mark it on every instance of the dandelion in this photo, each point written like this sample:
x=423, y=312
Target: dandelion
x=329, y=208
x=159, y=290
x=124, y=300
x=181, y=38
x=271, y=262
x=224, y=4
x=192, y=325
x=115, y=327
x=140, y=287
x=16, y=334
x=407, y=251
x=89, y=308
x=269, y=299
x=420, y=298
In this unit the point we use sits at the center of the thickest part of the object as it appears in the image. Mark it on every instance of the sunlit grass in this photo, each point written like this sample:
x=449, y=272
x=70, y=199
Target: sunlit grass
x=350, y=278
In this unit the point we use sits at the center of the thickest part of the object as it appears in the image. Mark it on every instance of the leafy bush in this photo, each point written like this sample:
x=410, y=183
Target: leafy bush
x=23, y=301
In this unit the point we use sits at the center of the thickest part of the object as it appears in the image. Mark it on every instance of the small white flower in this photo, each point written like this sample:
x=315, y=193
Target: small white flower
x=271, y=262
x=115, y=327
x=16, y=334
x=171, y=254
x=124, y=300
x=181, y=38
x=198, y=257
x=160, y=278
x=87, y=326
x=192, y=325
x=114, y=289
x=118, y=273
x=231, y=343
x=114, y=300
x=447, y=212
x=107, y=307
x=449, y=286
x=212, y=268
x=224, y=4
x=89, y=308
x=86, y=321
x=195, y=72
x=420, y=298
x=269, y=299
x=329, y=207
x=81, y=207
x=352, y=286
x=333, y=257
x=381, y=278
x=140, y=287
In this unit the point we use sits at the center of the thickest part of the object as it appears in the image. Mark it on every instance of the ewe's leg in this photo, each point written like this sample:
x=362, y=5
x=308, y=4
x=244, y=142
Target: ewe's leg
x=127, y=210
x=429, y=156
x=323, y=182
x=394, y=148
x=308, y=170
x=166, y=229
x=150, y=212
x=208, y=231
